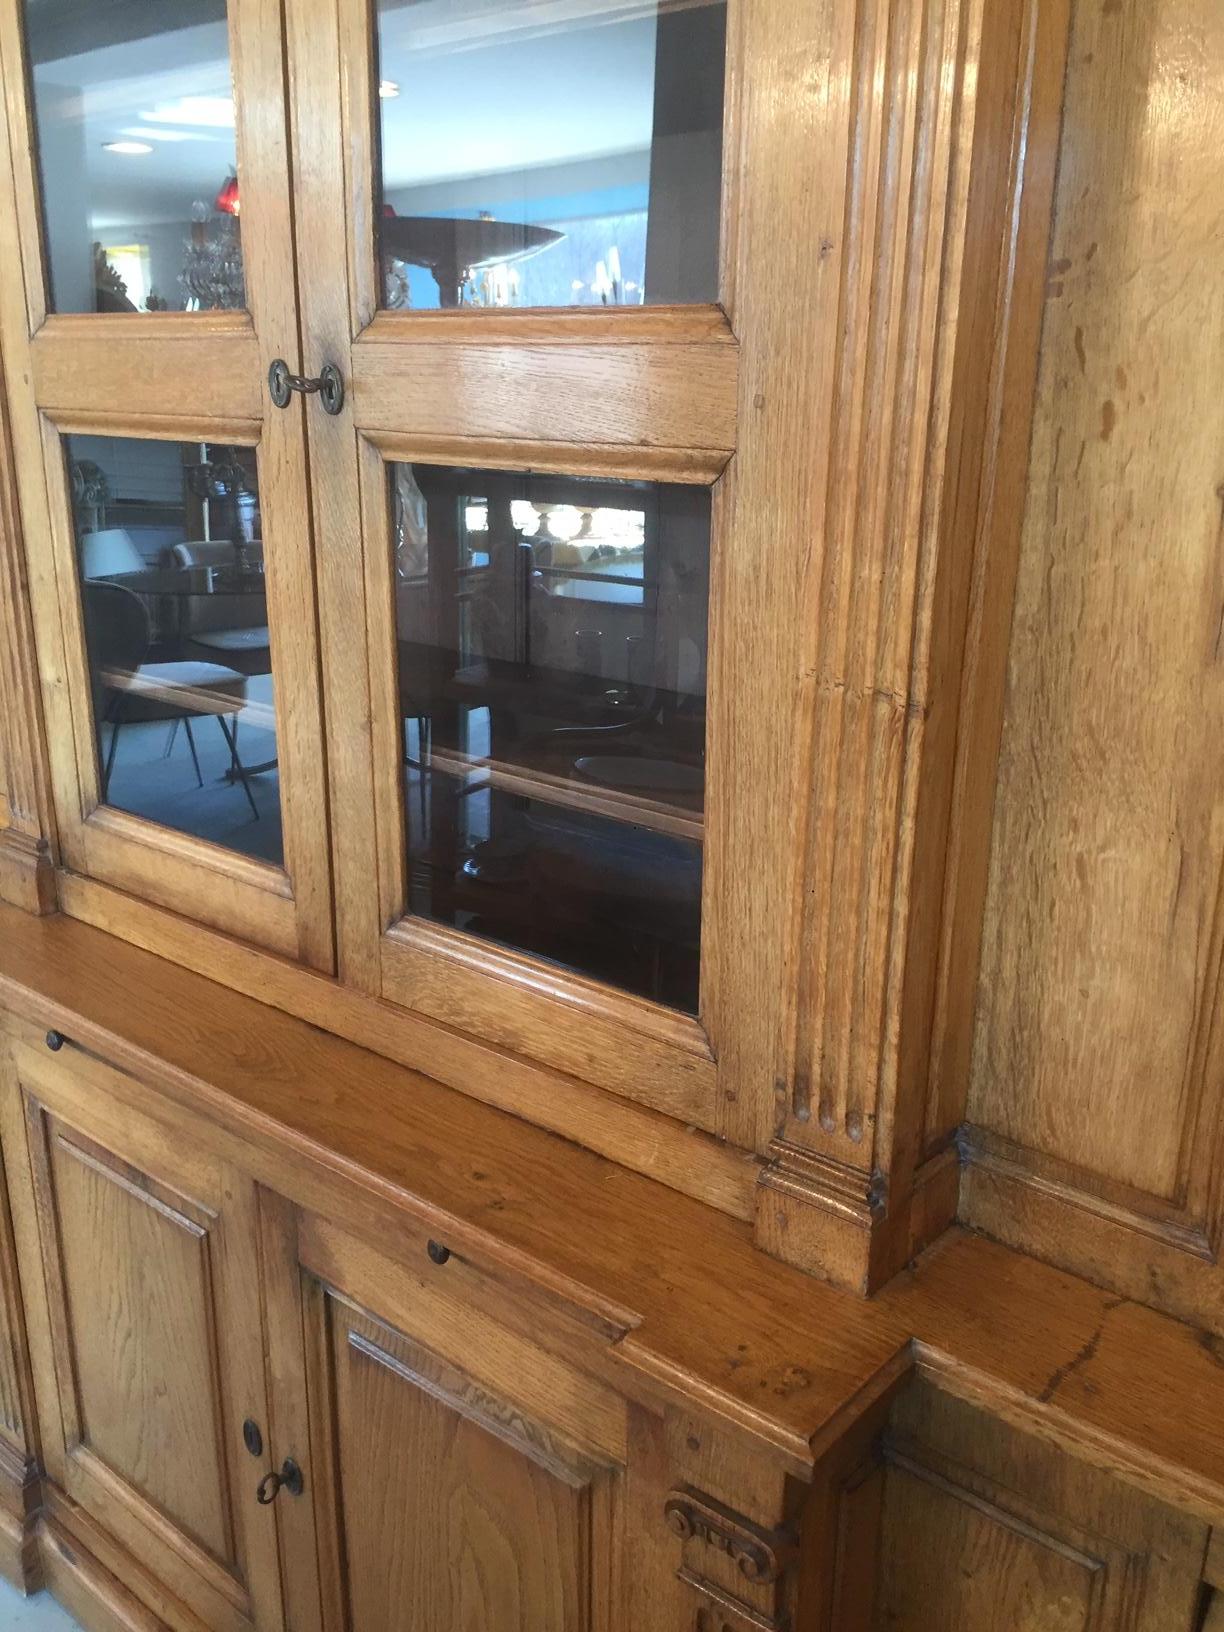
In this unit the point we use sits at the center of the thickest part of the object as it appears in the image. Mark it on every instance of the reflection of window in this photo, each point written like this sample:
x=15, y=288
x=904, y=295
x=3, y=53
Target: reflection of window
x=595, y=554
x=131, y=262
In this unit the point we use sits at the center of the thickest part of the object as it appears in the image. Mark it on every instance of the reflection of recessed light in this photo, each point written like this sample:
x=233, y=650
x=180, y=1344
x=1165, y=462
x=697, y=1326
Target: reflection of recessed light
x=127, y=147
x=210, y=112
x=388, y=87
x=142, y=135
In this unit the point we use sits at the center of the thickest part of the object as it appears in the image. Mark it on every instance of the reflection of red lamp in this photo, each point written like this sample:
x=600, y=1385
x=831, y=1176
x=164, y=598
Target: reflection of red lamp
x=227, y=200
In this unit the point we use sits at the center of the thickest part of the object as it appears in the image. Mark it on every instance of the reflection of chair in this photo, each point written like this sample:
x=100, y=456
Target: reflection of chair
x=128, y=690
x=221, y=628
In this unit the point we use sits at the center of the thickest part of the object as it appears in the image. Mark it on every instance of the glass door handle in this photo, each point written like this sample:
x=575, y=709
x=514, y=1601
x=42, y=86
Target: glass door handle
x=329, y=386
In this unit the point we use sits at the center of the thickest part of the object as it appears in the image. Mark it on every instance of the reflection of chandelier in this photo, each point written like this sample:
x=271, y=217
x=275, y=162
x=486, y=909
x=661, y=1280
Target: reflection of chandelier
x=212, y=269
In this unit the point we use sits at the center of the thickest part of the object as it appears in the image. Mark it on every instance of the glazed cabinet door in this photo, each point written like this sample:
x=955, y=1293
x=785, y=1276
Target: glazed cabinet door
x=147, y=291
x=557, y=622
x=456, y=1473
x=140, y=1273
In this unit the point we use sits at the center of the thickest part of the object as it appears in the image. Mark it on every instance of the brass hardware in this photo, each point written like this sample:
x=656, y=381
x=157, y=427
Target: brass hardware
x=252, y=1438
x=55, y=1041
x=329, y=386
x=438, y=1252
x=270, y=1486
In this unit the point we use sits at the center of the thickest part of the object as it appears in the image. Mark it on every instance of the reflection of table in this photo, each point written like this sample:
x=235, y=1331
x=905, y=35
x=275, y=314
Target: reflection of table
x=584, y=767
x=451, y=250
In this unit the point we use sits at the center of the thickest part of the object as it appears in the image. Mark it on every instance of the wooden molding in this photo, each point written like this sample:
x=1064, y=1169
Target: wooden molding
x=20, y=1499
x=940, y=104
x=1129, y=1243
x=833, y=1220
x=27, y=877
x=26, y=829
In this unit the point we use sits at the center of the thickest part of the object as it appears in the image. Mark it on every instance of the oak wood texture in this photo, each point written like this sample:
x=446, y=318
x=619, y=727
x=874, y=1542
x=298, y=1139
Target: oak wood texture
x=980, y=1526
x=164, y=375
x=923, y=161
x=679, y=1308
x=837, y=429
x=146, y=1340
x=842, y=403
x=1097, y=1068
x=26, y=821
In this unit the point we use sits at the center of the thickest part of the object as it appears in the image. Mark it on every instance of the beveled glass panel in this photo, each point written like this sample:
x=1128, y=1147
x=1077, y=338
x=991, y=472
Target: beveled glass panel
x=171, y=570
x=134, y=126
x=550, y=156
x=552, y=680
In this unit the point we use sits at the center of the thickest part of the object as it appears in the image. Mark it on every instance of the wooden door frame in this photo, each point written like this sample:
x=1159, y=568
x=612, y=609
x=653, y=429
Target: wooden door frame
x=171, y=376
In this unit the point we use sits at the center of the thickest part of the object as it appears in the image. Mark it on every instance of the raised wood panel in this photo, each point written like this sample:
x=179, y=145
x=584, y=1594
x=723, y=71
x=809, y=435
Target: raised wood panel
x=127, y=366
x=952, y=1564
x=451, y=1516
x=1097, y=1067
x=967, y=1525
x=140, y=1317
x=654, y=381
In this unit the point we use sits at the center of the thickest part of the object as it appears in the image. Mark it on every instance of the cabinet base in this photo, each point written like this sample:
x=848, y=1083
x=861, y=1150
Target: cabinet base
x=81, y=1566
x=19, y=1498
x=27, y=878
x=824, y=1219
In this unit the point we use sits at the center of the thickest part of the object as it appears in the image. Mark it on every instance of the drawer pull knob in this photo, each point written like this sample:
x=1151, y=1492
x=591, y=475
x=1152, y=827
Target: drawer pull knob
x=251, y=1437
x=55, y=1041
x=437, y=1252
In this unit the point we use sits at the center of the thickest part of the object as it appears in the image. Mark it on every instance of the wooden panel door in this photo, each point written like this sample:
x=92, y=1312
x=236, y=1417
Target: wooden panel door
x=163, y=496
x=145, y=1331
x=458, y=1475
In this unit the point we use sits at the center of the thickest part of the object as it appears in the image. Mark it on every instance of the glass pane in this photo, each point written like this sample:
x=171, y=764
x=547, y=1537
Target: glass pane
x=542, y=157
x=552, y=679
x=171, y=568
x=134, y=112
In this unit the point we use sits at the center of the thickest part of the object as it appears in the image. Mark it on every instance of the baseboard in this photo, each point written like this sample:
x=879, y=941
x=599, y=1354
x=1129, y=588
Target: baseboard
x=19, y=1499
x=27, y=878
x=836, y=1224
x=1170, y=1269
x=96, y=1580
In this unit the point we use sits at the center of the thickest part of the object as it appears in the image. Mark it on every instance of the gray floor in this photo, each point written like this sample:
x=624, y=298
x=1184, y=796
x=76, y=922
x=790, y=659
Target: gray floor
x=38, y=1614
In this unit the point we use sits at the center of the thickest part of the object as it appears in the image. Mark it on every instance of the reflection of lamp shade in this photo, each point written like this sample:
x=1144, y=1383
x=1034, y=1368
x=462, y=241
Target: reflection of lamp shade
x=227, y=201
x=108, y=551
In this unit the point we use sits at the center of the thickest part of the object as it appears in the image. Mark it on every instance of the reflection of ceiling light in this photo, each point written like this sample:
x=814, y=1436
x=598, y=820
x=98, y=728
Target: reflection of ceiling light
x=388, y=87
x=127, y=147
x=144, y=135
x=211, y=112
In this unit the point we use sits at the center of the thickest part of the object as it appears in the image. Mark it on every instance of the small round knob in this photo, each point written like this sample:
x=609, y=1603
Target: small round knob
x=55, y=1041
x=251, y=1437
x=437, y=1252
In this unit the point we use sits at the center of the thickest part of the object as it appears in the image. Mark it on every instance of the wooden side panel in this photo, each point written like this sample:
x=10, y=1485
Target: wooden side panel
x=1097, y=1069
x=952, y=1565
x=979, y=1528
